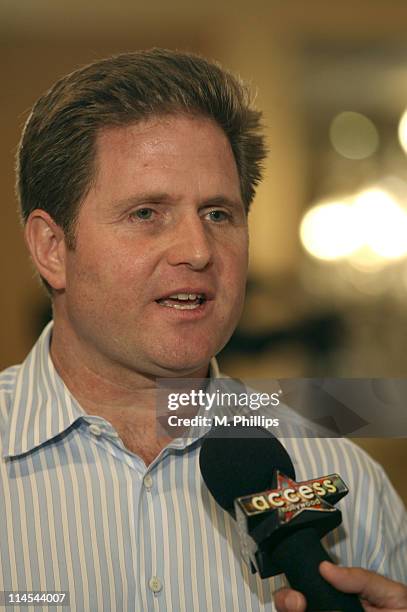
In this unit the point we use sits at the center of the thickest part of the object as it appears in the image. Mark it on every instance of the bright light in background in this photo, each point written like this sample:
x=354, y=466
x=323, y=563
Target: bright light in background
x=369, y=230
x=328, y=232
x=384, y=223
x=366, y=261
x=353, y=135
x=403, y=131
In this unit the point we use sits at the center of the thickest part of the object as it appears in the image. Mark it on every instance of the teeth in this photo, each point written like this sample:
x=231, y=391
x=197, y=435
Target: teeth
x=186, y=296
x=186, y=306
x=181, y=306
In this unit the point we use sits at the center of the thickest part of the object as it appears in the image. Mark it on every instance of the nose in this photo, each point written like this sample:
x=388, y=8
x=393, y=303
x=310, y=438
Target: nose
x=190, y=244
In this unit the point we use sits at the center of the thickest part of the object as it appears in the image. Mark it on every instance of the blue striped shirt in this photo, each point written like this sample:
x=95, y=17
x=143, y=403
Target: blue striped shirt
x=81, y=513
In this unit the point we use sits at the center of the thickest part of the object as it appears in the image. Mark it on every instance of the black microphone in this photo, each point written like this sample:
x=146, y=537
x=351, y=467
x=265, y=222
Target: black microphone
x=280, y=521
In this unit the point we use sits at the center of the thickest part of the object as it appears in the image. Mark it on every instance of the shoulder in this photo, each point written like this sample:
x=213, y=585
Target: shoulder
x=8, y=382
x=9, y=374
x=8, y=379
x=335, y=455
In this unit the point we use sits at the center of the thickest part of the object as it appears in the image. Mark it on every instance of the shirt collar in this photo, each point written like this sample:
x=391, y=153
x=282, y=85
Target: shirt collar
x=43, y=407
x=214, y=371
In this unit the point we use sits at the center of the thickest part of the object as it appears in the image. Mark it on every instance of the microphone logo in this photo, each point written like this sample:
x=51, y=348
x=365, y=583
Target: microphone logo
x=266, y=518
x=290, y=498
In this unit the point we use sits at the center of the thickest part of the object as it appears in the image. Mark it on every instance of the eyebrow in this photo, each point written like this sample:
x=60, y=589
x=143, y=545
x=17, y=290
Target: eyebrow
x=222, y=200
x=160, y=197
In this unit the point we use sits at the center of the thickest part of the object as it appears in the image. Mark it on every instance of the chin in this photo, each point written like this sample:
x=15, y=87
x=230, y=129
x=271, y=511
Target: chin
x=183, y=367
x=177, y=363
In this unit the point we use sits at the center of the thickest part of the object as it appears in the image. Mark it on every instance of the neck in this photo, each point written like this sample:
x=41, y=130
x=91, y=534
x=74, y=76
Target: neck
x=102, y=387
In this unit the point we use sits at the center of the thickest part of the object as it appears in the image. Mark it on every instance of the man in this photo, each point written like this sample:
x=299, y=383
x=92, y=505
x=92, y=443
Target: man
x=136, y=174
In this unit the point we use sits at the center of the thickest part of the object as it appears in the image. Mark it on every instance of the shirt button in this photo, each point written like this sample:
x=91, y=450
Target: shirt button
x=95, y=429
x=148, y=482
x=155, y=584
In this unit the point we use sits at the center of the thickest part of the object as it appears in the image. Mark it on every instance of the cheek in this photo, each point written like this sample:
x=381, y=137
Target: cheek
x=107, y=266
x=233, y=284
x=236, y=265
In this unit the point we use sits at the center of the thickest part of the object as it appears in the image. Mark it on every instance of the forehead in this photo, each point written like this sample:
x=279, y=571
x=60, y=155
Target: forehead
x=173, y=147
x=161, y=128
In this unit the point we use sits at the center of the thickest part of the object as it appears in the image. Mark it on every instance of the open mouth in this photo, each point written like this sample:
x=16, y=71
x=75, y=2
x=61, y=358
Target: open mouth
x=183, y=301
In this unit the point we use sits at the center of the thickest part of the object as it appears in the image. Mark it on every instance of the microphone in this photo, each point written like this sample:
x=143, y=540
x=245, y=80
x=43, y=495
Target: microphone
x=280, y=522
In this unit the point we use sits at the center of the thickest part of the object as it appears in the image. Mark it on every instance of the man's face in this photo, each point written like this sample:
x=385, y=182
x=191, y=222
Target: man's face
x=164, y=217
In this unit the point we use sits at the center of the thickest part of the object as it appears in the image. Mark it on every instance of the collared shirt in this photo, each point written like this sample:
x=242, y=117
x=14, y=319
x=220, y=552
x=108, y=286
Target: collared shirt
x=81, y=513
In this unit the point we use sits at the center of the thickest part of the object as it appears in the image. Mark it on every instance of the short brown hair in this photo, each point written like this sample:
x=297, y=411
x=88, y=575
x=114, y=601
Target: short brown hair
x=56, y=157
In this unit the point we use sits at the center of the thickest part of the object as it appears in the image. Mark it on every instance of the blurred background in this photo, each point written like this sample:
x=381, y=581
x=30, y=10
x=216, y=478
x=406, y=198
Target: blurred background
x=327, y=292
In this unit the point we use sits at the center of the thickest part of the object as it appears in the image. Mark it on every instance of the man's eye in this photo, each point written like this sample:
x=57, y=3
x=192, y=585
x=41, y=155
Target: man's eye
x=218, y=215
x=144, y=214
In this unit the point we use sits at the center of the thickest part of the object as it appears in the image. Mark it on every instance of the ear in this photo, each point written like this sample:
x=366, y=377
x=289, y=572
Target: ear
x=46, y=243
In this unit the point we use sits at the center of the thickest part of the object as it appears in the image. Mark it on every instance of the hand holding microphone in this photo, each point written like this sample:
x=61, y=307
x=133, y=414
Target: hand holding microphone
x=376, y=592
